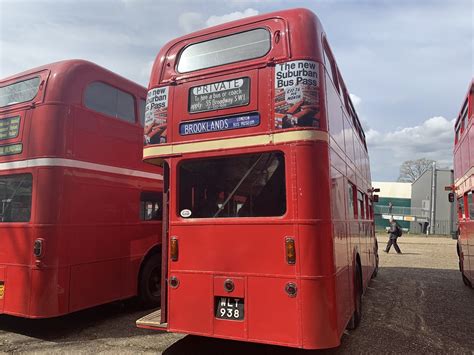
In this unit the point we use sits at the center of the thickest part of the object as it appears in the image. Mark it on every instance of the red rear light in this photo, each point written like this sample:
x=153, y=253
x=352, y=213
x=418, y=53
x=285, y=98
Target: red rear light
x=290, y=251
x=174, y=250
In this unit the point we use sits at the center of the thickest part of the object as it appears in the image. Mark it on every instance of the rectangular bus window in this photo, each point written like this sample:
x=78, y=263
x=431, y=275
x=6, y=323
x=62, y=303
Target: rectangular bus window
x=225, y=50
x=470, y=202
x=250, y=185
x=461, y=210
x=367, y=207
x=19, y=92
x=15, y=198
x=108, y=100
x=351, y=203
x=151, y=206
x=141, y=111
x=360, y=205
x=330, y=67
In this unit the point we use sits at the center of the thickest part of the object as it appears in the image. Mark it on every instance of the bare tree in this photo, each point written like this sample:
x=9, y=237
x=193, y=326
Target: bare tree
x=410, y=170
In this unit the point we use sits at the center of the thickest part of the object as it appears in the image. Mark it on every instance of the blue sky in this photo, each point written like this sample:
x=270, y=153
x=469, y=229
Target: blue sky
x=406, y=63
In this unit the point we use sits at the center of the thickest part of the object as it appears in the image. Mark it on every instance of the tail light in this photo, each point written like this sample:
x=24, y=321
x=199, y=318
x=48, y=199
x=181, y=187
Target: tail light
x=290, y=251
x=38, y=248
x=174, y=249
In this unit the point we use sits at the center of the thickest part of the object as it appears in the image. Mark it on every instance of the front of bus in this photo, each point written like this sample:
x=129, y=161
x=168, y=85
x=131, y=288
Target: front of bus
x=22, y=144
x=231, y=113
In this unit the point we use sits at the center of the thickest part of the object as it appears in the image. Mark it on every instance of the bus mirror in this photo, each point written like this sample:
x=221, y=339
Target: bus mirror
x=451, y=197
x=376, y=198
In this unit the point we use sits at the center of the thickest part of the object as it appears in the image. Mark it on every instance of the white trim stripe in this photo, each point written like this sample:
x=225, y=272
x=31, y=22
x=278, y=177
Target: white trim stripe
x=70, y=163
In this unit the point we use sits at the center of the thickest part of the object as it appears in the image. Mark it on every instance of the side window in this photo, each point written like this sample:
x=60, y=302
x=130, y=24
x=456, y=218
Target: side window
x=141, y=111
x=360, y=205
x=351, y=203
x=461, y=210
x=370, y=210
x=456, y=139
x=470, y=203
x=151, y=206
x=108, y=100
x=367, y=208
x=330, y=67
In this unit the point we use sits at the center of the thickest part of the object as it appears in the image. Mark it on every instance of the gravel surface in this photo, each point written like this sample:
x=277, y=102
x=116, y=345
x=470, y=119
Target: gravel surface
x=417, y=304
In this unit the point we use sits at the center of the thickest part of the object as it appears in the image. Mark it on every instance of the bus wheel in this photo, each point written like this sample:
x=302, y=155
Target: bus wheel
x=357, y=315
x=149, y=287
x=376, y=270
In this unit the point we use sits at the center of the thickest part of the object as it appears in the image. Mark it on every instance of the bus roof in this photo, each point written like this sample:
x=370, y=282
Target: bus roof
x=470, y=90
x=304, y=17
x=67, y=79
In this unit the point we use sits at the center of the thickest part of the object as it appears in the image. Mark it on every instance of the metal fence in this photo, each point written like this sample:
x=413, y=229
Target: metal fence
x=403, y=211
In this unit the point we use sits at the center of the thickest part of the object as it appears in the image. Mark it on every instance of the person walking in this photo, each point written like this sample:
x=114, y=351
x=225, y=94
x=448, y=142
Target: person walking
x=394, y=232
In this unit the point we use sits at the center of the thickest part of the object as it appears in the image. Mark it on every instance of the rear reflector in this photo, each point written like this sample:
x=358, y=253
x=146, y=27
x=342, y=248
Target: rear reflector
x=174, y=250
x=290, y=251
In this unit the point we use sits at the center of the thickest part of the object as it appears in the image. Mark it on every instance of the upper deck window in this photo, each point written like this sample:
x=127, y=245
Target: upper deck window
x=18, y=92
x=224, y=50
x=111, y=101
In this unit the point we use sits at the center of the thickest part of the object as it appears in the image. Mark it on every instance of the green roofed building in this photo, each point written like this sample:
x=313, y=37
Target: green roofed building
x=394, y=194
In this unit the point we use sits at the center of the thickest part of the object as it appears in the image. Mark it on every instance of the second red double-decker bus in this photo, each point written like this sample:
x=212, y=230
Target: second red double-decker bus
x=79, y=210
x=464, y=185
x=269, y=222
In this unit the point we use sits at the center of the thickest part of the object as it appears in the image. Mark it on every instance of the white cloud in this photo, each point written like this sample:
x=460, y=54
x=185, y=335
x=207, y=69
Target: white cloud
x=217, y=20
x=190, y=21
x=355, y=100
x=432, y=139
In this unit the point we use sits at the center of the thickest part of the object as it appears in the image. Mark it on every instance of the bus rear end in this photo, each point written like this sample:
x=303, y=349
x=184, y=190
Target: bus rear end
x=249, y=233
x=18, y=193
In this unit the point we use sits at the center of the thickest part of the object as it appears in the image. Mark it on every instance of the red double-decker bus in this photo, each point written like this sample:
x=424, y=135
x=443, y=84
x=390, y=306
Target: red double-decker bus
x=80, y=221
x=268, y=215
x=464, y=185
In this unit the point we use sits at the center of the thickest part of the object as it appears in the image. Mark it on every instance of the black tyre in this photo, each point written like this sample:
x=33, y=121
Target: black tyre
x=149, y=284
x=357, y=315
x=466, y=280
x=376, y=270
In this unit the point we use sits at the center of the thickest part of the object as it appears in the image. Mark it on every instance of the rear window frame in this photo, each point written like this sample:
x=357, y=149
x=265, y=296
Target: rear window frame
x=180, y=53
x=39, y=77
x=231, y=219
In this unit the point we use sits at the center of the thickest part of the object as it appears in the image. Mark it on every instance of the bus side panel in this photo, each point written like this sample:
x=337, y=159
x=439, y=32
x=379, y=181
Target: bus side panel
x=17, y=290
x=273, y=315
x=49, y=292
x=191, y=303
x=319, y=313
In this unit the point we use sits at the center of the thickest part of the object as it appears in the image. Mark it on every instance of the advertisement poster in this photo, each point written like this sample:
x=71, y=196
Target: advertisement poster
x=156, y=116
x=297, y=94
x=220, y=95
x=9, y=127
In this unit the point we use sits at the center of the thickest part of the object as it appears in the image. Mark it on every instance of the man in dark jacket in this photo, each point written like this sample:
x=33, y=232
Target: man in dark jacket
x=394, y=233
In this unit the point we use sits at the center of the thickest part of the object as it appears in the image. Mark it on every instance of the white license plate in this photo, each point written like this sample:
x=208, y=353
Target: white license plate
x=230, y=308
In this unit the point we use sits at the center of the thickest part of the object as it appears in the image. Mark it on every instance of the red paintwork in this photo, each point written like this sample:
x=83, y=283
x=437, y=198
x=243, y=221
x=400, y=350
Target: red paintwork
x=252, y=250
x=89, y=220
x=464, y=183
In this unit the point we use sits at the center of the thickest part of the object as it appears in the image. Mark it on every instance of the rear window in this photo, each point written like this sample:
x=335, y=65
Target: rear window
x=111, y=101
x=224, y=50
x=19, y=92
x=15, y=198
x=250, y=185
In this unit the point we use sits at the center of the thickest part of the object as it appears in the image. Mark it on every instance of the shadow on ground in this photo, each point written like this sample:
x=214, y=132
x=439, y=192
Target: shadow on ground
x=113, y=320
